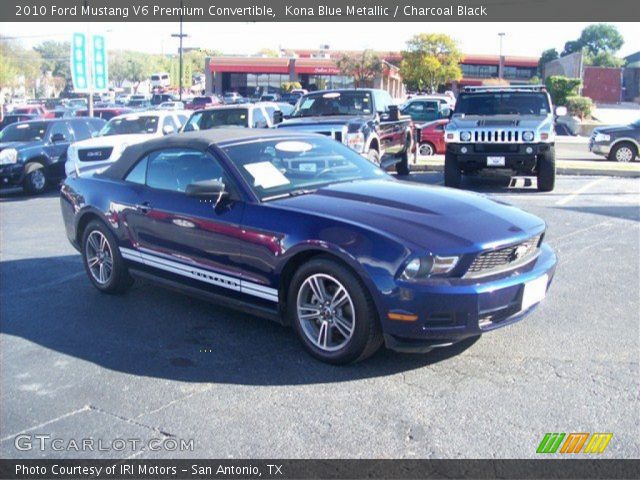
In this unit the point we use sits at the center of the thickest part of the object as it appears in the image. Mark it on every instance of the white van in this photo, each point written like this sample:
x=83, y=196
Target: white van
x=160, y=80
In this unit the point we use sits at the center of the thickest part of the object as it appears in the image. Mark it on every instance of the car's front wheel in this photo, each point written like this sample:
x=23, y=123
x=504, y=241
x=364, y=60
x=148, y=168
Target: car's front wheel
x=103, y=263
x=35, y=179
x=426, y=149
x=333, y=313
x=623, y=152
x=547, y=171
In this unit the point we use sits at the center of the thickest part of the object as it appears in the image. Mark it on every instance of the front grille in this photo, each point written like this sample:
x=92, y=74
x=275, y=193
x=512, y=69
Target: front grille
x=497, y=136
x=504, y=258
x=94, y=154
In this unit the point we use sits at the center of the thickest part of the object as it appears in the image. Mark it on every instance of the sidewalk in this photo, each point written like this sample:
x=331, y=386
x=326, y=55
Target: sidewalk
x=564, y=167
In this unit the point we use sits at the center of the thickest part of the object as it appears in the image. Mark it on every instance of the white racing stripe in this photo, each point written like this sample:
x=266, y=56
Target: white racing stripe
x=207, y=276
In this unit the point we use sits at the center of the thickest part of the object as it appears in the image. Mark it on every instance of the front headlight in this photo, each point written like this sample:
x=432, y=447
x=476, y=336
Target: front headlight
x=8, y=156
x=355, y=141
x=602, y=137
x=465, y=136
x=528, y=136
x=428, y=266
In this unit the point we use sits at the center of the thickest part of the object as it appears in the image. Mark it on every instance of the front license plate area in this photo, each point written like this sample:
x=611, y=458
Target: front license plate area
x=534, y=292
x=495, y=161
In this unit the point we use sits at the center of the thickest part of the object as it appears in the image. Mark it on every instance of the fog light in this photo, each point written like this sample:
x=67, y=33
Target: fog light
x=529, y=150
x=463, y=149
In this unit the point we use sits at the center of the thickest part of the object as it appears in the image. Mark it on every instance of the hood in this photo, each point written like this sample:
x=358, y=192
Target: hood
x=16, y=145
x=323, y=121
x=498, y=121
x=436, y=219
x=113, y=140
x=614, y=129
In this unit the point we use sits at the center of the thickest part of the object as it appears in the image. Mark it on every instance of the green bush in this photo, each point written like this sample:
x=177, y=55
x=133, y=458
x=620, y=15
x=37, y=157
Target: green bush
x=580, y=106
x=561, y=87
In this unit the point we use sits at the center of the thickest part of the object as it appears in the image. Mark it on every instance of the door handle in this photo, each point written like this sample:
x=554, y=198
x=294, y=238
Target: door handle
x=143, y=207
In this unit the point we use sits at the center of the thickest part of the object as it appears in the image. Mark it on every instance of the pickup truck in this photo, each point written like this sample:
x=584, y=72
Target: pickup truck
x=364, y=119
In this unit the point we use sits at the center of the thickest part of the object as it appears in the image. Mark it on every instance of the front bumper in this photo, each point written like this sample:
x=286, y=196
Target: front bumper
x=11, y=175
x=519, y=157
x=450, y=311
x=599, y=148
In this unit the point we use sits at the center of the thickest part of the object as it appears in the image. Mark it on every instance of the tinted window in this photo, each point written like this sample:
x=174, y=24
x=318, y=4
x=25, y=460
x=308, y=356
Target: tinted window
x=220, y=117
x=131, y=124
x=24, y=132
x=503, y=103
x=139, y=173
x=60, y=128
x=169, y=124
x=173, y=169
x=383, y=100
x=352, y=102
x=81, y=130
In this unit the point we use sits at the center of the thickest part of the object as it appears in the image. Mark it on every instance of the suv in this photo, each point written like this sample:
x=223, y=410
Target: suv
x=33, y=153
x=364, y=119
x=502, y=128
x=619, y=143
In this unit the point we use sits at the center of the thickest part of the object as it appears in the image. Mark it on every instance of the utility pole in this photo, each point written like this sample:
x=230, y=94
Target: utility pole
x=180, y=36
x=501, y=60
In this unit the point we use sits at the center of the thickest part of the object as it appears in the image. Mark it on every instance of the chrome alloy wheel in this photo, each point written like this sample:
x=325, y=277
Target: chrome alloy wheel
x=624, y=154
x=426, y=150
x=325, y=312
x=38, y=179
x=99, y=257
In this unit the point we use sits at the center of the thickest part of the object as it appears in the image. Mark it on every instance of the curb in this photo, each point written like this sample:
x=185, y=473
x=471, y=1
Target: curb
x=560, y=169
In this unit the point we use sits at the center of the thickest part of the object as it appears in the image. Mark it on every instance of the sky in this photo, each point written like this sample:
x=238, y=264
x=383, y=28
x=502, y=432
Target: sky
x=527, y=39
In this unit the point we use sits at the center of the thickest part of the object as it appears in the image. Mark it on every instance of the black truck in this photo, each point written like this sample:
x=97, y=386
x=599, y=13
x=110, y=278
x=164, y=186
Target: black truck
x=364, y=119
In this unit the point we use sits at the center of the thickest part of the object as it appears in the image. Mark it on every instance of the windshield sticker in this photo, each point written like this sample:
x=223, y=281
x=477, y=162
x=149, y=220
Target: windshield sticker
x=266, y=175
x=293, y=147
x=308, y=167
x=331, y=95
x=22, y=126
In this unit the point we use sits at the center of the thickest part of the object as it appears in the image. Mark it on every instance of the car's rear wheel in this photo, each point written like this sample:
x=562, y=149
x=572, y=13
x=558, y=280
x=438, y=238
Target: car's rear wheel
x=102, y=260
x=452, y=173
x=546, y=171
x=374, y=156
x=35, y=179
x=333, y=313
x=426, y=149
x=623, y=152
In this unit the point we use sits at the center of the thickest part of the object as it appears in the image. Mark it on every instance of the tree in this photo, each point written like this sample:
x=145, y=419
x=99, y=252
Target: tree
x=595, y=40
x=604, y=59
x=430, y=60
x=561, y=87
x=55, y=58
x=546, y=57
x=134, y=67
x=363, y=67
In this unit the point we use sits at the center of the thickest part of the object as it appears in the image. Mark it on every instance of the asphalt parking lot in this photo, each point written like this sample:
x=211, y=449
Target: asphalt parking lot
x=77, y=364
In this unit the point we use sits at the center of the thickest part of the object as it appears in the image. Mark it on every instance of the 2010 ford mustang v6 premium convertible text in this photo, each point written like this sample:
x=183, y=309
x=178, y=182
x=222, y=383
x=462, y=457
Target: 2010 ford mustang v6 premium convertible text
x=299, y=228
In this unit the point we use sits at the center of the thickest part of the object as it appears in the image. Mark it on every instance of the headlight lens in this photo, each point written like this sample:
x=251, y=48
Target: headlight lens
x=429, y=266
x=528, y=136
x=8, y=156
x=602, y=137
x=355, y=141
x=465, y=136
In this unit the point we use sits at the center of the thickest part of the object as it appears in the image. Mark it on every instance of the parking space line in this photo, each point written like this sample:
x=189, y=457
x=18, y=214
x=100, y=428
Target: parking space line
x=48, y=422
x=579, y=191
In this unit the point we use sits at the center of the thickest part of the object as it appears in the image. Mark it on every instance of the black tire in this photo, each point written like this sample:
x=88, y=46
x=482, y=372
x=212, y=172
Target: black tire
x=402, y=167
x=623, y=152
x=119, y=279
x=35, y=180
x=366, y=337
x=546, y=171
x=374, y=156
x=452, y=173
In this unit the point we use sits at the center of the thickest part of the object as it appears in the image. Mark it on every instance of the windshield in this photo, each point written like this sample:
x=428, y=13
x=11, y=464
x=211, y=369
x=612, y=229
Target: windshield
x=201, y=100
x=24, y=132
x=208, y=119
x=287, y=167
x=503, y=103
x=130, y=125
x=357, y=102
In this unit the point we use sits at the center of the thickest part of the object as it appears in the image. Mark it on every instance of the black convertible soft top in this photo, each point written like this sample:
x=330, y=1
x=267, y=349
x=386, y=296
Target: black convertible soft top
x=200, y=140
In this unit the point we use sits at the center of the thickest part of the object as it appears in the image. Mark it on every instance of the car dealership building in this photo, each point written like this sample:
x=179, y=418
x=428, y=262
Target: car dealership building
x=318, y=70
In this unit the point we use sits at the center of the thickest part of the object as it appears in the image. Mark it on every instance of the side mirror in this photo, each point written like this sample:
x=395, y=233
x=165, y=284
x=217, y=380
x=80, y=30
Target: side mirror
x=207, y=189
x=561, y=111
x=394, y=113
x=58, y=138
x=278, y=116
x=167, y=129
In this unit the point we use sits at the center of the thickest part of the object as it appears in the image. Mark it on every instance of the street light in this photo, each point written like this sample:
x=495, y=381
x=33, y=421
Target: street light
x=501, y=60
x=180, y=36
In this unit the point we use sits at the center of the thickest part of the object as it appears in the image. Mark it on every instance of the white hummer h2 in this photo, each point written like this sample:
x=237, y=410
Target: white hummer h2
x=502, y=128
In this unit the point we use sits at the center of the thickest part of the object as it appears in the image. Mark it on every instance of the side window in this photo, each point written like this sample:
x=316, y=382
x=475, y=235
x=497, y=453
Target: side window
x=80, y=130
x=259, y=120
x=383, y=100
x=168, y=125
x=138, y=174
x=182, y=119
x=60, y=131
x=175, y=168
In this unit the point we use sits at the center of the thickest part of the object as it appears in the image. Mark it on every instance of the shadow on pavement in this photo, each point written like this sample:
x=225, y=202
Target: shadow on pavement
x=625, y=212
x=153, y=332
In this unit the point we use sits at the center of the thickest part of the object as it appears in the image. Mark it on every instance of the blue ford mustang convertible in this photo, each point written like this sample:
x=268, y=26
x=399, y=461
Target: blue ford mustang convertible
x=301, y=229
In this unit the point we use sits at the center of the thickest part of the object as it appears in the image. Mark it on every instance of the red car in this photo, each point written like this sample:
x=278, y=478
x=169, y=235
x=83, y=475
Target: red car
x=431, y=137
x=206, y=101
x=38, y=110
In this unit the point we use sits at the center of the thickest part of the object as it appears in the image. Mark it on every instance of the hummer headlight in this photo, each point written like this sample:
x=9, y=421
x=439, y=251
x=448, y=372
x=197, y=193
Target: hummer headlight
x=528, y=136
x=465, y=136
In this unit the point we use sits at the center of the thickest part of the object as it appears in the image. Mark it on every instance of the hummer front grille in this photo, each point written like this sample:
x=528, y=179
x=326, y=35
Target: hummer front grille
x=497, y=136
